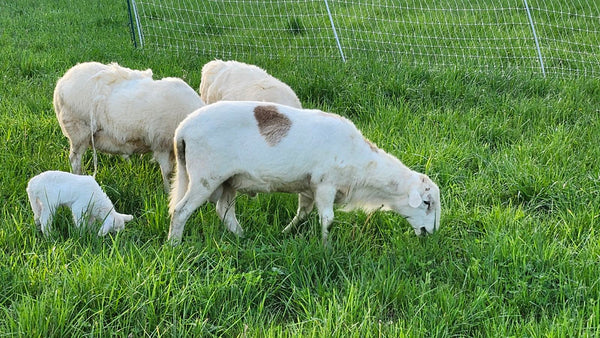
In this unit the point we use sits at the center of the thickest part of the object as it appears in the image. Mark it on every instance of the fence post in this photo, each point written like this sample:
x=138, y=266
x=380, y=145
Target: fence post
x=337, y=40
x=537, y=44
x=131, y=24
x=134, y=12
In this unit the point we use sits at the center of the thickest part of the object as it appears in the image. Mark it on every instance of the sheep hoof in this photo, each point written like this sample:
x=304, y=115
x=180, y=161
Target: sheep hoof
x=174, y=242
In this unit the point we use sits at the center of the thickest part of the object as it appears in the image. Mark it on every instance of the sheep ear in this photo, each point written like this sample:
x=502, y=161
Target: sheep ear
x=414, y=198
x=126, y=218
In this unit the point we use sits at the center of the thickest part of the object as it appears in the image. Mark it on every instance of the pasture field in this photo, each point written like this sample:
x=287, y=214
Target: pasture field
x=516, y=156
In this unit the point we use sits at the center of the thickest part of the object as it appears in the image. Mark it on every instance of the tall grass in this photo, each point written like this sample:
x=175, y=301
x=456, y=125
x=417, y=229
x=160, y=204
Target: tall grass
x=516, y=157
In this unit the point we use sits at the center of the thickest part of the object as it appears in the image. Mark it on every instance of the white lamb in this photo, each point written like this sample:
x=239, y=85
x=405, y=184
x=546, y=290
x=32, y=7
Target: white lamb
x=52, y=189
x=265, y=147
x=121, y=111
x=237, y=81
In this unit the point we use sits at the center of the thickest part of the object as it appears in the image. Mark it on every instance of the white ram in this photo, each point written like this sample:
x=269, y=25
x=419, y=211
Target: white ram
x=52, y=189
x=264, y=147
x=121, y=111
x=238, y=81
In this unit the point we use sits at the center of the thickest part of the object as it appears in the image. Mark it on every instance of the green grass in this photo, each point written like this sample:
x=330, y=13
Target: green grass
x=516, y=157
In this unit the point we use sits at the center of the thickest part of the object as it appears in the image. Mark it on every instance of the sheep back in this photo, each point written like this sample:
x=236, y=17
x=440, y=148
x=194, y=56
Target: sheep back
x=129, y=110
x=238, y=81
x=276, y=143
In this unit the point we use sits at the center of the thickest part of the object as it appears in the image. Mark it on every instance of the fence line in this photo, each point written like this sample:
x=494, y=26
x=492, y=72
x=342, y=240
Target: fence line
x=463, y=33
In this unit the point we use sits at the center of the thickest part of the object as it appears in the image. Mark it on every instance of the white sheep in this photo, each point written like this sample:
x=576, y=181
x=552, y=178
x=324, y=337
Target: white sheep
x=52, y=189
x=265, y=147
x=121, y=111
x=238, y=81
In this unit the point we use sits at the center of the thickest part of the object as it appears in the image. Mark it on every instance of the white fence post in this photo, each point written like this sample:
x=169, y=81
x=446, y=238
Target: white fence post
x=537, y=44
x=137, y=23
x=337, y=40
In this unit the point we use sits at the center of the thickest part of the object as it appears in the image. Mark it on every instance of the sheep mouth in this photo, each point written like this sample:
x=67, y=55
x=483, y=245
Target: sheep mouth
x=423, y=232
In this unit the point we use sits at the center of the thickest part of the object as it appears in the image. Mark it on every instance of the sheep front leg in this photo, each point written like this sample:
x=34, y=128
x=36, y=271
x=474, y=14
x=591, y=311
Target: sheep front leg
x=76, y=157
x=78, y=215
x=324, y=199
x=305, y=206
x=226, y=210
x=107, y=226
x=81, y=217
x=166, y=167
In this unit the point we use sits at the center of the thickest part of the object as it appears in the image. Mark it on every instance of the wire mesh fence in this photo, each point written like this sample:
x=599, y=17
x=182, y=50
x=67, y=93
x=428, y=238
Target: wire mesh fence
x=554, y=37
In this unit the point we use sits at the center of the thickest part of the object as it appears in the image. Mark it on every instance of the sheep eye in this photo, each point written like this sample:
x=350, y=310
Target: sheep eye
x=427, y=203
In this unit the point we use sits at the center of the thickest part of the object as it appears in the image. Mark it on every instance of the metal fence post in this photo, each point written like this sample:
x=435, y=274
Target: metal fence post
x=537, y=43
x=337, y=40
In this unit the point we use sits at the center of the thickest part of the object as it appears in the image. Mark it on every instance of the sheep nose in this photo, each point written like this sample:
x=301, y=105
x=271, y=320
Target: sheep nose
x=423, y=231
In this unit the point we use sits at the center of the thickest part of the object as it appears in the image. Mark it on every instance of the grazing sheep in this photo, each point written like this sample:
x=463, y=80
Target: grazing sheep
x=52, y=189
x=237, y=81
x=265, y=147
x=121, y=111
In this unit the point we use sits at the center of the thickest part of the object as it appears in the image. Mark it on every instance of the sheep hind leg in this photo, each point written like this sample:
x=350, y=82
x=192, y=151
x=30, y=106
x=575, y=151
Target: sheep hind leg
x=45, y=220
x=226, y=210
x=192, y=200
x=36, y=207
x=306, y=204
x=79, y=135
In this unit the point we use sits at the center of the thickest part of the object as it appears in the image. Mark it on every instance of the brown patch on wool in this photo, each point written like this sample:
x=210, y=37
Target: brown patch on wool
x=272, y=125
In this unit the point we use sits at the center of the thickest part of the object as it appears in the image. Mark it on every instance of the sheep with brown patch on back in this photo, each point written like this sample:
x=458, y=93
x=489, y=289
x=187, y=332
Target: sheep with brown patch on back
x=264, y=147
x=238, y=81
x=121, y=111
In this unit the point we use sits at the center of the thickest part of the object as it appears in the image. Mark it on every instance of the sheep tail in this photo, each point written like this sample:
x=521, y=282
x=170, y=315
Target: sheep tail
x=104, y=80
x=101, y=91
x=181, y=178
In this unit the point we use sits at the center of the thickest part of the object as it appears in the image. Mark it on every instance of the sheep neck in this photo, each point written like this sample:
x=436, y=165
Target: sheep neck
x=381, y=184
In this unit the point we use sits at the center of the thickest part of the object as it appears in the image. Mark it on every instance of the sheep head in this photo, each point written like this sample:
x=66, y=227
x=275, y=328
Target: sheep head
x=422, y=206
x=114, y=222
